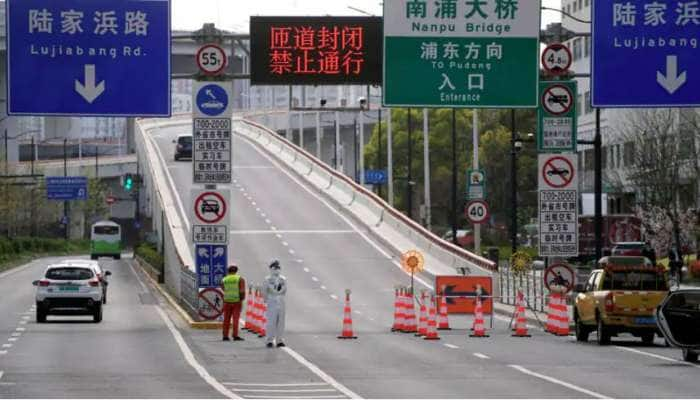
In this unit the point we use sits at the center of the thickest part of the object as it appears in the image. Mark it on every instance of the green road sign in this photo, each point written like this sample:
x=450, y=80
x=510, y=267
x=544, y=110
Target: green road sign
x=466, y=53
x=556, y=127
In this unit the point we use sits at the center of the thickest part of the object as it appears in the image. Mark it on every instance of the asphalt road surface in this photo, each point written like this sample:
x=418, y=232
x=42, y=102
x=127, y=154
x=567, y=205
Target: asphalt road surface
x=142, y=348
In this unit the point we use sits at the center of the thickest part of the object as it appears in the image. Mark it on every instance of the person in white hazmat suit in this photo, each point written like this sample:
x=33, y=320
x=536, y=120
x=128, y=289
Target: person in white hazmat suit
x=275, y=288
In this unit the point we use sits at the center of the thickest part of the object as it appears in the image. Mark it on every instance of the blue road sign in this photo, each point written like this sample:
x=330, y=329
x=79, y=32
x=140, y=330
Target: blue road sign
x=66, y=188
x=212, y=100
x=645, y=53
x=211, y=262
x=89, y=58
x=375, y=177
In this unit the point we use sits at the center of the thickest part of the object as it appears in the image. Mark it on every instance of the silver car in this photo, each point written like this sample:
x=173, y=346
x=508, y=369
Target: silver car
x=68, y=289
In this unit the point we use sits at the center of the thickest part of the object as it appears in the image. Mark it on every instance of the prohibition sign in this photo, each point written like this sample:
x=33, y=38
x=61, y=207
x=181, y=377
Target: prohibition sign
x=211, y=59
x=210, y=203
x=556, y=59
x=211, y=303
x=558, y=172
x=557, y=100
x=477, y=211
x=559, y=275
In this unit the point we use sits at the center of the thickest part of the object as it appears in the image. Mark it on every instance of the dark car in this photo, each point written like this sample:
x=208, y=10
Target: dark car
x=678, y=318
x=183, y=147
x=628, y=249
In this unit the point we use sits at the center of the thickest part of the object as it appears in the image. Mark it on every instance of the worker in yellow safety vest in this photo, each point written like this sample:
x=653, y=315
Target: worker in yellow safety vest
x=233, y=286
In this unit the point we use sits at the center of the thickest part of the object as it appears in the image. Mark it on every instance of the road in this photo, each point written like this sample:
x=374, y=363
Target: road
x=143, y=349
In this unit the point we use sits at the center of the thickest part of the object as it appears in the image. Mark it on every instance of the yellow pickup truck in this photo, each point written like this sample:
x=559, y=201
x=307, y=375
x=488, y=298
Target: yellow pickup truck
x=620, y=297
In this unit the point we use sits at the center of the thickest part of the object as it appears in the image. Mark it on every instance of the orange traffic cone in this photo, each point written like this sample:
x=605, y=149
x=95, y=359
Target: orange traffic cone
x=562, y=317
x=443, y=320
x=249, y=310
x=432, y=324
x=411, y=324
x=347, y=319
x=254, y=319
x=398, y=311
x=422, y=317
x=551, y=318
x=521, y=322
x=479, y=328
x=262, y=331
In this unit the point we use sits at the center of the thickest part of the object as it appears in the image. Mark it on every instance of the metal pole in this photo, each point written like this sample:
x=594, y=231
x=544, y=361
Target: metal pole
x=475, y=138
x=318, y=135
x=409, y=182
x=598, y=188
x=453, y=207
x=301, y=130
x=65, y=173
x=379, y=147
x=354, y=148
x=7, y=156
x=514, y=185
x=389, y=158
x=362, y=147
x=337, y=141
x=33, y=204
x=426, y=170
x=97, y=162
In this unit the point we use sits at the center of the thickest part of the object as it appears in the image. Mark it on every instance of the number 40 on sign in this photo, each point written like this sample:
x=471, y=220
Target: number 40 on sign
x=477, y=211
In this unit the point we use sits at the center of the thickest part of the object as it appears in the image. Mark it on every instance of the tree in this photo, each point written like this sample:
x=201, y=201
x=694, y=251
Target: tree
x=661, y=165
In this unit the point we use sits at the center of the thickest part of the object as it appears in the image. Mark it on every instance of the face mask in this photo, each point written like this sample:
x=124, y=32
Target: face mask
x=275, y=272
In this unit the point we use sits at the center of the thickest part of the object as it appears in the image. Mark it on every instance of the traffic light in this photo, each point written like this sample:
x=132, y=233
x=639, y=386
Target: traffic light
x=128, y=182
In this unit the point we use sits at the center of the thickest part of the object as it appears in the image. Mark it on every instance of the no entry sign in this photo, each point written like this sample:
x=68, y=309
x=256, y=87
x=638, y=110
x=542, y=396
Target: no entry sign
x=211, y=303
x=210, y=206
x=557, y=171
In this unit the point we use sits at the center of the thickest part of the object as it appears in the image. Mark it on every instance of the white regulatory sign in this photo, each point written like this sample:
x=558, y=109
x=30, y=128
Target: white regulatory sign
x=211, y=150
x=477, y=211
x=211, y=59
x=558, y=205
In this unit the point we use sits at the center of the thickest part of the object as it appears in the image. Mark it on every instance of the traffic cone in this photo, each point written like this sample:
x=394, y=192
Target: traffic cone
x=249, y=310
x=253, y=328
x=443, y=320
x=551, y=318
x=432, y=333
x=263, y=318
x=521, y=322
x=347, y=319
x=411, y=324
x=423, y=317
x=479, y=328
x=398, y=310
x=563, y=317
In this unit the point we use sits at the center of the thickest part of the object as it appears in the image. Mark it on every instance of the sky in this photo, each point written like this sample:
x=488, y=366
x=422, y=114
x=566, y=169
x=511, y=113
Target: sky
x=233, y=14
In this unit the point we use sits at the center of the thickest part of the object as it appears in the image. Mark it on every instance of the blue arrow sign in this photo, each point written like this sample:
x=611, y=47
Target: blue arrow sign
x=645, y=53
x=88, y=58
x=66, y=188
x=375, y=177
x=211, y=262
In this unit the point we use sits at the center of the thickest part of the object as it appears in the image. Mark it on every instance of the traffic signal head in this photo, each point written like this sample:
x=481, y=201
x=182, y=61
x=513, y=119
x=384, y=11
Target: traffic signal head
x=128, y=182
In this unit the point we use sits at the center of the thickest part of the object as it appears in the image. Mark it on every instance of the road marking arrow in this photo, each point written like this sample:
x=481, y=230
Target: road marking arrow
x=89, y=91
x=671, y=81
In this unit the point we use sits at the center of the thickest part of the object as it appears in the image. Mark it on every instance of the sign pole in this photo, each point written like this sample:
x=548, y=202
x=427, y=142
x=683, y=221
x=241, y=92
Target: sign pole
x=362, y=147
x=390, y=158
x=409, y=182
x=318, y=135
x=426, y=168
x=453, y=210
x=65, y=174
x=598, y=186
x=301, y=130
x=514, y=185
x=475, y=130
x=337, y=141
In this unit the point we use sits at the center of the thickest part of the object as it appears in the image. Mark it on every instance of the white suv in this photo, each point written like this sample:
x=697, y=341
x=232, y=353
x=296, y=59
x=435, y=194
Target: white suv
x=69, y=289
x=101, y=274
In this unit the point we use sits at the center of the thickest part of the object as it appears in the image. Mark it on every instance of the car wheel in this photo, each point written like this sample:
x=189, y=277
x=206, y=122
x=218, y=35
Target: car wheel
x=648, y=338
x=602, y=333
x=690, y=355
x=582, y=331
x=104, y=297
x=93, y=257
x=177, y=158
x=97, y=313
x=40, y=316
x=118, y=257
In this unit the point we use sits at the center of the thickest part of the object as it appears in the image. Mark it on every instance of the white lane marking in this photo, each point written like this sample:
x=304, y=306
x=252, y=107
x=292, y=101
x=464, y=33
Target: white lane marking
x=23, y=322
x=306, y=269
x=276, y=384
x=138, y=278
x=285, y=390
x=335, y=396
x=6, y=345
x=12, y=339
x=325, y=377
x=26, y=317
x=451, y=346
x=267, y=221
x=299, y=261
x=274, y=228
x=313, y=278
x=381, y=251
x=482, y=356
x=323, y=287
x=254, y=203
x=19, y=329
x=169, y=177
x=285, y=244
x=278, y=236
x=3, y=352
x=559, y=382
x=291, y=232
x=660, y=357
x=185, y=350
x=15, y=334
x=263, y=215
x=358, y=312
x=291, y=251
x=334, y=297
x=258, y=209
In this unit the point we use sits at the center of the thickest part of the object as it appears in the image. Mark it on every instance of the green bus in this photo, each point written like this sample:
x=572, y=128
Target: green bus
x=105, y=240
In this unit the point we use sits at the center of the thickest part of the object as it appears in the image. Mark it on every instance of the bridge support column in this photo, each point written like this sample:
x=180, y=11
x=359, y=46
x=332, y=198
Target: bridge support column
x=130, y=131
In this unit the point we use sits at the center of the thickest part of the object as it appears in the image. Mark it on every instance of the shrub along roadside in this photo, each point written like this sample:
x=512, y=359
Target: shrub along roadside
x=149, y=254
x=16, y=251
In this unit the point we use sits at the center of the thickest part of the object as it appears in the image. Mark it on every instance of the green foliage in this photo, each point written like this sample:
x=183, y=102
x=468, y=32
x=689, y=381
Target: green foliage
x=21, y=247
x=150, y=254
x=495, y=151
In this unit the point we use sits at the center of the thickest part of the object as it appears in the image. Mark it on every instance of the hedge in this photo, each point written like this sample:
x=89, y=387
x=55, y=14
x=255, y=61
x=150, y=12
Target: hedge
x=150, y=254
x=15, y=248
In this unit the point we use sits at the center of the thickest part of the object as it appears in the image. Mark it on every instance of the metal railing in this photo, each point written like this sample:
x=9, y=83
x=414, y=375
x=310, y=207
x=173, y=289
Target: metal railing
x=531, y=283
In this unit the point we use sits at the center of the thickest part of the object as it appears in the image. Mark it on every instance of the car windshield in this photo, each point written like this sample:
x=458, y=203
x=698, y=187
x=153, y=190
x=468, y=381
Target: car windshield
x=634, y=280
x=185, y=140
x=69, y=274
x=106, y=230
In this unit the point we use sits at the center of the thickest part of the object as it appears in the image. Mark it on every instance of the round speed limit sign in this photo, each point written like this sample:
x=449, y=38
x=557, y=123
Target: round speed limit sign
x=477, y=211
x=211, y=59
